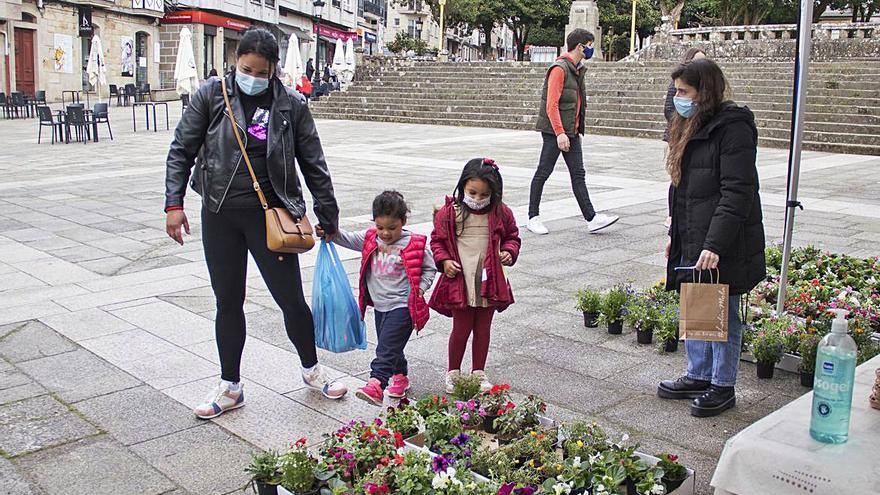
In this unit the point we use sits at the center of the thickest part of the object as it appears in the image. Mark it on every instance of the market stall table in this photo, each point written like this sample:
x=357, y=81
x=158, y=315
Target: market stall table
x=777, y=454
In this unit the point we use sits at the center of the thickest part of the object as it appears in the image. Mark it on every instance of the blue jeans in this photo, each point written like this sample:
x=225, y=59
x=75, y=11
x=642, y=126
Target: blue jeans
x=393, y=330
x=718, y=362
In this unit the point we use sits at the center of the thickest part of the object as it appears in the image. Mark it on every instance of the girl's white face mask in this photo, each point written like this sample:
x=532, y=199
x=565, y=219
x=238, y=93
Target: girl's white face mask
x=476, y=204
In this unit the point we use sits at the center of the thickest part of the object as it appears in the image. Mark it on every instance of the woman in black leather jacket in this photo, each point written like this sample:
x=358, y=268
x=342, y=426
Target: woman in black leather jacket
x=279, y=131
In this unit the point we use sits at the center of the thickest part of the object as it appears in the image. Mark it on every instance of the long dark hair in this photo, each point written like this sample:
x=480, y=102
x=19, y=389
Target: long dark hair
x=690, y=54
x=706, y=77
x=483, y=169
x=260, y=42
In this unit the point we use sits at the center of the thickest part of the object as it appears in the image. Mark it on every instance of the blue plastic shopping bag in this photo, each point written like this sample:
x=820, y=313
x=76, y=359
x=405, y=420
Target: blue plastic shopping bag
x=338, y=323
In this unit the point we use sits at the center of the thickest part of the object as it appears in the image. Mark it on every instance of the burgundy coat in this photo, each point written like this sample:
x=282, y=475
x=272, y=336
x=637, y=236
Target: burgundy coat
x=450, y=293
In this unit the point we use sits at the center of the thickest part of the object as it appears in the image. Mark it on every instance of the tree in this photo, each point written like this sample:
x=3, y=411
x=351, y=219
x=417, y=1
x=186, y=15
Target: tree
x=672, y=9
x=403, y=43
x=523, y=16
x=615, y=17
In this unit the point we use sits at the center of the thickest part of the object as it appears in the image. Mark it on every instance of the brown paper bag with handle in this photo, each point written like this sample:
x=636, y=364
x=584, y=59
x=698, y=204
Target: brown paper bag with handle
x=704, y=310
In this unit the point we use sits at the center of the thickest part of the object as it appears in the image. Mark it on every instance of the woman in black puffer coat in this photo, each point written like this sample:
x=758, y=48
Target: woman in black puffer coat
x=716, y=221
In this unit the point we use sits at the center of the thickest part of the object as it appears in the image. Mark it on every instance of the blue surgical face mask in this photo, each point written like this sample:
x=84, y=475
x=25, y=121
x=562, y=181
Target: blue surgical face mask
x=249, y=84
x=684, y=106
x=588, y=52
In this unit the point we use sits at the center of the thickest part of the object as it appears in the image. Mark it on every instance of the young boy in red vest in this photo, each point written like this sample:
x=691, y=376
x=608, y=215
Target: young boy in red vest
x=397, y=268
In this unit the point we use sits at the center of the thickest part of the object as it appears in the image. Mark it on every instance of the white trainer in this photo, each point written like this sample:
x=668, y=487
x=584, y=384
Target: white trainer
x=220, y=401
x=536, y=226
x=600, y=221
x=451, y=377
x=319, y=381
x=485, y=384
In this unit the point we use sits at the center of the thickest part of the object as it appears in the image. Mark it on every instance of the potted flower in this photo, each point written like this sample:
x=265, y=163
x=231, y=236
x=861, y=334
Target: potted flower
x=494, y=403
x=469, y=414
x=767, y=347
x=465, y=388
x=589, y=302
x=518, y=419
x=611, y=312
x=807, y=367
x=297, y=471
x=432, y=404
x=666, y=331
x=642, y=314
x=674, y=473
x=441, y=428
x=403, y=418
x=581, y=439
x=264, y=473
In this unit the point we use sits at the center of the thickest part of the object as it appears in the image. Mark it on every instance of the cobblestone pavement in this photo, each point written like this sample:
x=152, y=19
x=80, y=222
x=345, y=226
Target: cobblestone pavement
x=106, y=332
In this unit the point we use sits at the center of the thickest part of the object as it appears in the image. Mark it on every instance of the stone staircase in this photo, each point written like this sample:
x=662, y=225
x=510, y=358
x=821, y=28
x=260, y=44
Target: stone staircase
x=625, y=99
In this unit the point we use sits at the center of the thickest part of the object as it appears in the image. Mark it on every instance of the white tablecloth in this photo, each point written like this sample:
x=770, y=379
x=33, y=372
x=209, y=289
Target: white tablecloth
x=777, y=456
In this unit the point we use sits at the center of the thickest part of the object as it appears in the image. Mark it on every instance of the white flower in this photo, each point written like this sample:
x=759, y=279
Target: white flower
x=658, y=489
x=562, y=488
x=577, y=459
x=440, y=481
x=624, y=438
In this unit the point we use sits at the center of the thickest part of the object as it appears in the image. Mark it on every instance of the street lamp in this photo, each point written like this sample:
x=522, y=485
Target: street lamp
x=419, y=25
x=442, y=31
x=319, y=7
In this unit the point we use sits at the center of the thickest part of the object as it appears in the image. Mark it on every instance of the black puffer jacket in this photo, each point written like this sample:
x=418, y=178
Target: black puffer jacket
x=205, y=132
x=716, y=206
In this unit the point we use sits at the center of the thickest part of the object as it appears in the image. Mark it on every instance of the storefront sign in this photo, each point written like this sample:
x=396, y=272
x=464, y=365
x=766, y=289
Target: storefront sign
x=85, y=22
x=370, y=37
x=336, y=34
x=201, y=17
x=155, y=5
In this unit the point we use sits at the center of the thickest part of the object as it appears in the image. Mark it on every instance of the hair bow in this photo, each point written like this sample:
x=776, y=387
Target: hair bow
x=490, y=162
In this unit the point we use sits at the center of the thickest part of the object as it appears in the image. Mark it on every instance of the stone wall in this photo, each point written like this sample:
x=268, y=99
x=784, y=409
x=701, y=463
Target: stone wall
x=774, y=42
x=62, y=18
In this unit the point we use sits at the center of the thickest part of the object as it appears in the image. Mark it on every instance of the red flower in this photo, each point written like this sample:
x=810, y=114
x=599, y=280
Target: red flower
x=399, y=459
x=385, y=461
x=302, y=441
x=383, y=433
x=398, y=440
x=673, y=458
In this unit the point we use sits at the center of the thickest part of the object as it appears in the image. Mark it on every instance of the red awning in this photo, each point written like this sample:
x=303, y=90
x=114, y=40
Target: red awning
x=336, y=34
x=202, y=17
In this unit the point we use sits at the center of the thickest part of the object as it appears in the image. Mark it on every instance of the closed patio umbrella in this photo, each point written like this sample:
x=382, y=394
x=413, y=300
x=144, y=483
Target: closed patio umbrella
x=96, y=69
x=293, y=63
x=339, y=57
x=186, y=76
x=349, y=60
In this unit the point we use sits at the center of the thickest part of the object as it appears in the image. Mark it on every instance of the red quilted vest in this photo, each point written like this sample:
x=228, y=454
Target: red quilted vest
x=412, y=255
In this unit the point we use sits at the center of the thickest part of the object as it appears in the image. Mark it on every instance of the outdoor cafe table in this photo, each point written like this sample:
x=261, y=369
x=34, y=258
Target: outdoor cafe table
x=147, y=105
x=776, y=455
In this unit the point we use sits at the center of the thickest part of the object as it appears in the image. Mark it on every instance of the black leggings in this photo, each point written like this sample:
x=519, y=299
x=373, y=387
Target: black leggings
x=227, y=237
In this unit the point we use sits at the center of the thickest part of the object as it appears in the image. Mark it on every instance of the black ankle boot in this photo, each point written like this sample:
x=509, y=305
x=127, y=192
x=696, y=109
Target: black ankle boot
x=714, y=402
x=683, y=388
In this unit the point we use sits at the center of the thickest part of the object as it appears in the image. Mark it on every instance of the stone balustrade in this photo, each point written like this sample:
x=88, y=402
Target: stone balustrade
x=831, y=31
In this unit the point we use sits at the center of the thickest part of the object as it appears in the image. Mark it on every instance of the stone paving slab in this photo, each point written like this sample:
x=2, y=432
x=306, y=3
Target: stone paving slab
x=32, y=341
x=37, y=423
x=86, y=324
x=78, y=375
x=94, y=467
x=12, y=481
x=138, y=414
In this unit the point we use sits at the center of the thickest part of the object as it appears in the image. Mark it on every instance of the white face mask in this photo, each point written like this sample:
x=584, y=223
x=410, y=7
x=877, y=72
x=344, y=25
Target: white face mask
x=476, y=204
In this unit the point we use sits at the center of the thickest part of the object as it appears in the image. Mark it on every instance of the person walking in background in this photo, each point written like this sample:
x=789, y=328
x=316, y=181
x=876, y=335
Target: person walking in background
x=561, y=119
x=233, y=221
x=397, y=268
x=475, y=236
x=310, y=69
x=716, y=222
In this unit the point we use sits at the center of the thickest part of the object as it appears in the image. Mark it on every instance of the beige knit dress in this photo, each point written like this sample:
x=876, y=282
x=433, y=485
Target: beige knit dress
x=472, y=245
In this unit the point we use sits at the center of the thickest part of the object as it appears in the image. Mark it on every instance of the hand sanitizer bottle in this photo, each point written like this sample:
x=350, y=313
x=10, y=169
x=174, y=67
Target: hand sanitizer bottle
x=833, y=386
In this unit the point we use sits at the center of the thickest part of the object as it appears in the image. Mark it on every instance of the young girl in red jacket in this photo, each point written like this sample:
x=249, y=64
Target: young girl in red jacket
x=396, y=270
x=475, y=236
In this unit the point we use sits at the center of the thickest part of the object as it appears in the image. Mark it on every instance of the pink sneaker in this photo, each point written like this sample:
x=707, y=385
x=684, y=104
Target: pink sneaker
x=371, y=392
x=398, y=386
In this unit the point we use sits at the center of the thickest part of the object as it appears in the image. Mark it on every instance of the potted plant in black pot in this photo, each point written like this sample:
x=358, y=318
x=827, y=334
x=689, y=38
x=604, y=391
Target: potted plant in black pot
x=264, y=472
x=767, y=347
x=403, y=419
x=807, y=367
x=298, y=470
x=666, y=330
x=589, y=302
x=642, y=314
x=674, y=473
x=611, y=312
x=494, y=403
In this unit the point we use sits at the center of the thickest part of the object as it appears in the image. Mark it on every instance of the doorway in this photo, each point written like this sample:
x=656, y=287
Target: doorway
x=141, y=43
x=24, y=61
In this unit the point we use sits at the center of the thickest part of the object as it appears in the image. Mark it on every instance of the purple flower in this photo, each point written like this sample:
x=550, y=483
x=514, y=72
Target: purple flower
x=441, y=463
x=459, y=405
x=460, y=439
x=526, y=490
x=506, y=489
x=471, y=404
x=465, y=417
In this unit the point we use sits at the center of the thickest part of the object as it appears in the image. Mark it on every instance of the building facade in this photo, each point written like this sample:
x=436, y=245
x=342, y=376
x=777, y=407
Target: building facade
x=47, y=44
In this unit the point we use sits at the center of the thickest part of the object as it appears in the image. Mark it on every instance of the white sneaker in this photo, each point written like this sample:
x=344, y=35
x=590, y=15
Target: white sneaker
x=600, y=221
x=319, y=381
x=451, y=377
x=536, y=226
x=485, y=384
x=220, y=401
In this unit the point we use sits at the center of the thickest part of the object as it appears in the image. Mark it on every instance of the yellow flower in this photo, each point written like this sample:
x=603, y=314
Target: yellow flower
x=531, y=462
x=580, y=444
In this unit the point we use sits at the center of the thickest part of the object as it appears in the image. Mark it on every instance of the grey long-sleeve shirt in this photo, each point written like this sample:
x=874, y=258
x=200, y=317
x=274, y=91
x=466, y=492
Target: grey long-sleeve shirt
x=386, y=275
